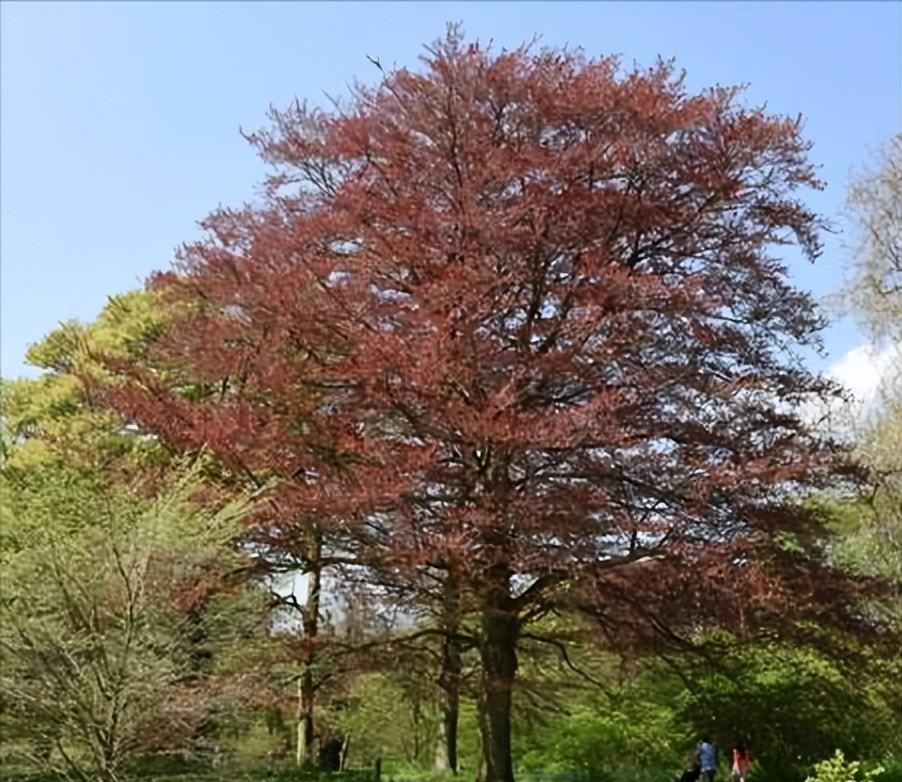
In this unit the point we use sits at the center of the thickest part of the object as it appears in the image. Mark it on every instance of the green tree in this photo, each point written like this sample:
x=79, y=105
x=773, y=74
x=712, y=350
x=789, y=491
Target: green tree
x=95, y=639
x=872, y=539
x=791, y=704
x=54, y=418
x=875, y=205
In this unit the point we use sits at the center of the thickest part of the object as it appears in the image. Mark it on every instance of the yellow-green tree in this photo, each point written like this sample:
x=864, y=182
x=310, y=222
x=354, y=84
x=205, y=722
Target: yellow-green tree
x=54, y=419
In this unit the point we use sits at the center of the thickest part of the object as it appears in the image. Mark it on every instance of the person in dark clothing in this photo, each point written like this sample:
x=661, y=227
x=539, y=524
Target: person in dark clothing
x=691, y=774
x=693, y=771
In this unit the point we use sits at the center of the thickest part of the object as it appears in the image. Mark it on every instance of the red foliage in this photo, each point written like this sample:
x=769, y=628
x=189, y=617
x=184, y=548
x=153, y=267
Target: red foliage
x=521, y=313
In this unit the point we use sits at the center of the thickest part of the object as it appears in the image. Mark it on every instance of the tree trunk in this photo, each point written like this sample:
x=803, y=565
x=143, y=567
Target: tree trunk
x=415, y=714
x=498, y=650
x=345, y=747
x=441, y=750
x=446, y=756
x=306, y=757
x=450, y=675
x=482, y=768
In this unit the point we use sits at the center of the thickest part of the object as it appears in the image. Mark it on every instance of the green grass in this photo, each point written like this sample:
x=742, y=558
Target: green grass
x=10, y=773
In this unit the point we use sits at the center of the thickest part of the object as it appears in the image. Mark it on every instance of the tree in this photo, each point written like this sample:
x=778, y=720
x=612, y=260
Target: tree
x=792, y=703
x=59, y=418
x=875, y=204
x=95, y=645
x=875, y=296
x=519, y=319
x=53, y=419
x=871, y=527
x=263, y=442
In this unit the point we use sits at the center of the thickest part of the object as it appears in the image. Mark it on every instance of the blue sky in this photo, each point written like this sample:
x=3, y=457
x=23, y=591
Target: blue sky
x=120, y=120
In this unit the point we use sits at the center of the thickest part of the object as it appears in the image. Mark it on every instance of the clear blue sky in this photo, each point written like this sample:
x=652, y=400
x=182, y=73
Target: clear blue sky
x=120, y=120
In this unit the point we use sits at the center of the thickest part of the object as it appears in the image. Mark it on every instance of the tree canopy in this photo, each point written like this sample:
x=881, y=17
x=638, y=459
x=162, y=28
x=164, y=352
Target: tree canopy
x=519, y=321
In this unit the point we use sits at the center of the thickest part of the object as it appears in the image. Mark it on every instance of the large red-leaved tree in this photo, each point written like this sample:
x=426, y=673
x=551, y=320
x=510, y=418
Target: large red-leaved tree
x=519, y=320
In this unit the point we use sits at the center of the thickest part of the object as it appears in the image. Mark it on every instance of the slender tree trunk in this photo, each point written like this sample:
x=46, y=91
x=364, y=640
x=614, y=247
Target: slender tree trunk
x=450, y=718
x=415, y=713
x=306, y=756
x=107, y=770
x=345, y=747
x=300, y=756
x=441, y=750
x=450, y=675
x=498, y=650
x=482, y=767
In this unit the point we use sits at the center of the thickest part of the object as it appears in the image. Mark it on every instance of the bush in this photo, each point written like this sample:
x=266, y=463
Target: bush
x=838, y=769
x=892, y=769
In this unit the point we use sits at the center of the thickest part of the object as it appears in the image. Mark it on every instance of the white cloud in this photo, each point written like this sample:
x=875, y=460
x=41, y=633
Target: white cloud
x=864, y=368
x=865, y=372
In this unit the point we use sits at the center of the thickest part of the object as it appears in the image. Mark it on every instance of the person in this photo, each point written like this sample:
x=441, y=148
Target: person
x=707, y=759
x=742, y=759
x=693, y=772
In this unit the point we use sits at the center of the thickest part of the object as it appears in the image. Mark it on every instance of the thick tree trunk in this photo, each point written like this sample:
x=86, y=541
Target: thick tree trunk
x=498, y=650
x=306, y=756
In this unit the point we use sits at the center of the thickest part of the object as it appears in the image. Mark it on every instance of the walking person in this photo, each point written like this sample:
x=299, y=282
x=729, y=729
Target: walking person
x=742, y=759
x=707, y=759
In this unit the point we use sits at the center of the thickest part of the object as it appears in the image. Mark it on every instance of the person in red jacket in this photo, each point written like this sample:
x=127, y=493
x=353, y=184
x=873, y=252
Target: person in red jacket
x=742, y=760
